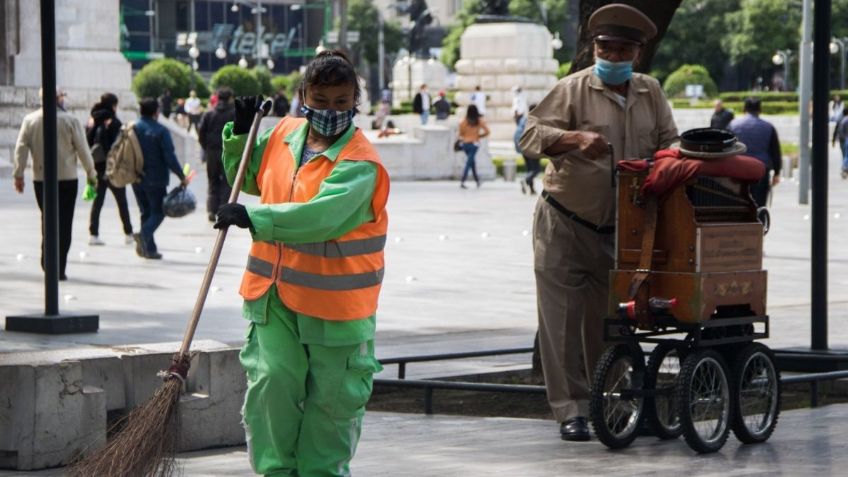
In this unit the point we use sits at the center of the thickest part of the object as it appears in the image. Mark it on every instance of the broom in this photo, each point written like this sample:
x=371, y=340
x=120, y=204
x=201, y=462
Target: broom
x=146, y=439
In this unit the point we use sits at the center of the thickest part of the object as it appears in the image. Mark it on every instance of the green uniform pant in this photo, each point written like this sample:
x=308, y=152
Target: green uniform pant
x=304, y=403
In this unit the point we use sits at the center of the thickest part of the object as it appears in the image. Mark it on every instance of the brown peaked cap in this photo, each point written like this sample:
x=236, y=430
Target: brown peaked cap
x=619, y=22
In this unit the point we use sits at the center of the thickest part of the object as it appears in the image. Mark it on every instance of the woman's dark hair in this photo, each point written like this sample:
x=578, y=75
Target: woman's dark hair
x=109, y=100
x=148, y=107
x=331, y=68
x=472, y=115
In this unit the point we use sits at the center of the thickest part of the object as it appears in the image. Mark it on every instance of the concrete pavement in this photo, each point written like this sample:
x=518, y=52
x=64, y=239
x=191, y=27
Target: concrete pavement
x=806, y=442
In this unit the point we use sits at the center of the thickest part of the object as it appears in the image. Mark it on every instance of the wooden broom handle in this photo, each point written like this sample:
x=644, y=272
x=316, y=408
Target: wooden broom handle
x=222, y=233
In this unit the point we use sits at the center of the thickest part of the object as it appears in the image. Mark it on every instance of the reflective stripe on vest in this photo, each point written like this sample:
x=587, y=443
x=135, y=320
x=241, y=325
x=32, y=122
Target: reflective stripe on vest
x=348, y=248
x=312, y=280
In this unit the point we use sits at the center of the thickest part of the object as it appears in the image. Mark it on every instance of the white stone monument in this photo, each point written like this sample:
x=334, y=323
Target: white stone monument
x=499, y=56
x=423, y=71
x=88, y=63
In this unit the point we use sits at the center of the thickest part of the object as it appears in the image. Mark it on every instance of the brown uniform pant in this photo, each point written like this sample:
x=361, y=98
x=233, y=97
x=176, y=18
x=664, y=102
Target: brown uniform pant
x=572, y=264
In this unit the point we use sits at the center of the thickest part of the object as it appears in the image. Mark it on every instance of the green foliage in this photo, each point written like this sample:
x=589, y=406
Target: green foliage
x=240, y=80
x=263, y=77
x=289, y=83
x=765, y=96
x=167, y=73
x=520, y=166
x=563, y=70
x=675, y=84
x=758, y=29
x=363, y=17
x=694, y=37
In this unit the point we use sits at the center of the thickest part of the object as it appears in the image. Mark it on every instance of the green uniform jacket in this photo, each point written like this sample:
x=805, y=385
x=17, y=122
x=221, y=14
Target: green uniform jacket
x=343, y=203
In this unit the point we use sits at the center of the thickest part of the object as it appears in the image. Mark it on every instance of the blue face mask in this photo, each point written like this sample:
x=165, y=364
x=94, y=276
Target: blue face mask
x=613, y=72
x=328, y=122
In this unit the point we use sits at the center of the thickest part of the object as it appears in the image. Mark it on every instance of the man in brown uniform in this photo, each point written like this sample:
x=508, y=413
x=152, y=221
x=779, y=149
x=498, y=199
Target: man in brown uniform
x=601, y=109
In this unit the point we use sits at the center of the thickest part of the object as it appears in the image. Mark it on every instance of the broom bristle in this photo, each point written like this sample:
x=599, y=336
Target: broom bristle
x=146, y=446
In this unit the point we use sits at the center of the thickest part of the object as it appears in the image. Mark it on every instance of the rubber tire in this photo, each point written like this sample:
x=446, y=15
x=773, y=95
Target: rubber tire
x=596, y=407
x=683, y=391
x=655, y=359
x=739, y=429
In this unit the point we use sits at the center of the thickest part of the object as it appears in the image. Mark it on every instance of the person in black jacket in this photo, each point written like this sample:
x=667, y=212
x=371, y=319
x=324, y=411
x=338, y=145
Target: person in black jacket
x=421, y=104
x=104, y=128
x=209, y=135
x=281, y=104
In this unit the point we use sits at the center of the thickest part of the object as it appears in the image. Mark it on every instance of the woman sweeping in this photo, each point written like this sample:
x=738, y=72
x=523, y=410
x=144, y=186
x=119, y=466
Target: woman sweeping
x=313, y=275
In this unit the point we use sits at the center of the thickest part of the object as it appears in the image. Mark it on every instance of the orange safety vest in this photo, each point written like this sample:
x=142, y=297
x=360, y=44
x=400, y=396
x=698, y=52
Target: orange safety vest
x=335, y=280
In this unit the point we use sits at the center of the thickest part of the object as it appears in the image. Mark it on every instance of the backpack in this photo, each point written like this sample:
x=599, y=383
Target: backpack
x=125, y=160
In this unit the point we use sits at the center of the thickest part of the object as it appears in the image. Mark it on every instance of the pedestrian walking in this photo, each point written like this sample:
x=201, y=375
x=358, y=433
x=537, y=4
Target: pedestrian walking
x=421, y=104
x=442, y=107
x=105, y=128
x=165, y=102
x=309, y=353
x=519, y=103
x=602, y=109
x=157, y=147
x=840, y=135
x=531, y=163
x=193, y=108
x=836, y=109
x=472, y=128
x=71, y=147
x=721, y=116
x=760, y=137
x=478, y=99
x=209, y=135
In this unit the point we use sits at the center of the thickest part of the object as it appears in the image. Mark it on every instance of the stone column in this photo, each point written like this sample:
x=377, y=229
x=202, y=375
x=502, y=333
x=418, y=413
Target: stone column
x=499, y=56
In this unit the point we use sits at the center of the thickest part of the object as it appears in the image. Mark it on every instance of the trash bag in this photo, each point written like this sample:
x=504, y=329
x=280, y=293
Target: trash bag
x=179, y=202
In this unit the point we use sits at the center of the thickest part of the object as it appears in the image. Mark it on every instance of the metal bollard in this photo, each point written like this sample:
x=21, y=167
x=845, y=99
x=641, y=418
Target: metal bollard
x=509, y=170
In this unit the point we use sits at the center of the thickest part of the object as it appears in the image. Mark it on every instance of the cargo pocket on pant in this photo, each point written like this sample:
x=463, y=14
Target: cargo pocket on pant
x=361, y=366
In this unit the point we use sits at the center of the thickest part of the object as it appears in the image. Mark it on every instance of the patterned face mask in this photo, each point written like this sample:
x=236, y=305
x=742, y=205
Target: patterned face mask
x=328, y=122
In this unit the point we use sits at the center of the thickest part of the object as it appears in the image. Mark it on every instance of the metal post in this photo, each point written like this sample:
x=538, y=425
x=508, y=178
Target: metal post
x=258, y=32
x=786, y=84
x=821, y=91
x=51, y=178
x=381, y=53
x=805, y=76
x=343, y=25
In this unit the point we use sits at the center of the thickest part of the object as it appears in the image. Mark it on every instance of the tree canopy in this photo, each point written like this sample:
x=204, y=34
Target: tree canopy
x=363, y=17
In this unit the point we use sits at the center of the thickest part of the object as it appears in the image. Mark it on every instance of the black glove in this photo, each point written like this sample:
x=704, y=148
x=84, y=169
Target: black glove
x=246, y=108
x=232, y=214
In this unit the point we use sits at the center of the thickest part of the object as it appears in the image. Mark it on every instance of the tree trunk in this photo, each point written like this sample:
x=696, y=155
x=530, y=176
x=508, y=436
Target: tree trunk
x=659, y=11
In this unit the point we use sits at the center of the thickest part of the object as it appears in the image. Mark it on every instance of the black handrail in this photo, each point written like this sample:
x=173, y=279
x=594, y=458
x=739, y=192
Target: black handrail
x=402, y=360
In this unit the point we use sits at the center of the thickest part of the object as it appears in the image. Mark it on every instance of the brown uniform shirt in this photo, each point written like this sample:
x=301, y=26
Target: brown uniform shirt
x=580, y=102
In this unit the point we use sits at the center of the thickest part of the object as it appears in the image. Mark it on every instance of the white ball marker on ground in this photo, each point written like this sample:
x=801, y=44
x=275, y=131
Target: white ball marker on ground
x=525, y=233
x=198, y=250
x=69, y=297
x=411, y=279
x=806, y=216
x=20, y=257
x=484, y=235
x=443, y=237
x=398, y=239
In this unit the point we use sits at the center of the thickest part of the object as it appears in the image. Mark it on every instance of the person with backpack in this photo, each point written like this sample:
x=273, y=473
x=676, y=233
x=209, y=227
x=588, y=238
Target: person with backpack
x=157, y=148
x=71, y=146
x=105, y=128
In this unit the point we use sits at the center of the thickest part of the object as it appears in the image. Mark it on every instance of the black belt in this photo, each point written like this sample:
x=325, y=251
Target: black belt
x=601, y=229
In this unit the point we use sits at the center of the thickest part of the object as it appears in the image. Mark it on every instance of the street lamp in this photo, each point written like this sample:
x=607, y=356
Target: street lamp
x=782, y=57
x=837, y=45
x=242, y=62
x=220, y=52
x=556, y=42
x=193, y=53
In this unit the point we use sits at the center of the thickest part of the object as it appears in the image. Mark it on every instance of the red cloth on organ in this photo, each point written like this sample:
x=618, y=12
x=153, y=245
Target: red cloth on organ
x=671, y=168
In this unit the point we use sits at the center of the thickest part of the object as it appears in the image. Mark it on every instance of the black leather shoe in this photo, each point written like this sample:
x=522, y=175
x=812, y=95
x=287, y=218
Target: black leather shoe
x=576, y=429
x=153, y=255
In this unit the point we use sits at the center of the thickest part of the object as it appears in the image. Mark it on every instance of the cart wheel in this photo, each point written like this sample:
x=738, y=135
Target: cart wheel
x=757, y=383
x=661, y=410
x=616, y=413
x=704, y=401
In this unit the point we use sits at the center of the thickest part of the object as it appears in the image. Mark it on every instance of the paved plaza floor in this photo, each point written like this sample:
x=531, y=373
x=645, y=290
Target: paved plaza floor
x=806, y=442
x=459, y=277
